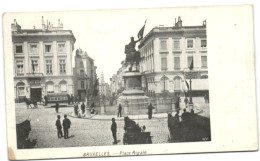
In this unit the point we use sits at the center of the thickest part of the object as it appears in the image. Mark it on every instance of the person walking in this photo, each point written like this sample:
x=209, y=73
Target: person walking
x=114, y=130
x=45, y=100
x=59, y=127
x=119, y=114
x=177, y=103
x=150, y=111
x=66, y=125
x=57, y=107
x=72, y=98
x=76, y=108
x=186, y=101
x=83, y=108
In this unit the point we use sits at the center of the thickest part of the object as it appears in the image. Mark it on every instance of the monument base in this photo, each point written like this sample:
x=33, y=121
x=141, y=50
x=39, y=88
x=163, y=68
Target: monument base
x=134, y=104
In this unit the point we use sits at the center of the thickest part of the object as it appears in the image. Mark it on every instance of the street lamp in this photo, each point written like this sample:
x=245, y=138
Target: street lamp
x=190, y=87
x=164, y=78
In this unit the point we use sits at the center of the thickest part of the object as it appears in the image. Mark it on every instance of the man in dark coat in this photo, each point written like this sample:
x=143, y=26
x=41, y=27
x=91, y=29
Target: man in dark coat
x=186, y=101
x=66, y=125
x=83, y=108
x=119, y=114
x=76, y=108
x=114, y=129
x=45, y=100
x=177, y=103
x=57, y=107
x=68, y=99
x=150, y=111
x=59, y=127
x=72, y=98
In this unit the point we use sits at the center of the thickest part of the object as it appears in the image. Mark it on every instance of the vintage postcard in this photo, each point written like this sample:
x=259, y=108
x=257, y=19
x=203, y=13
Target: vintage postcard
x=130, y=82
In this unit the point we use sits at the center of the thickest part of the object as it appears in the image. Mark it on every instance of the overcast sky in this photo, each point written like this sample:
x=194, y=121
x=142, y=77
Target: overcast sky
x=104, y=33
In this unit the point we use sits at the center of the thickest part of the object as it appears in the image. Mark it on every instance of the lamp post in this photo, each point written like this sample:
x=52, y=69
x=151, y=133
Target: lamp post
x=164, y=79
x=190, y=88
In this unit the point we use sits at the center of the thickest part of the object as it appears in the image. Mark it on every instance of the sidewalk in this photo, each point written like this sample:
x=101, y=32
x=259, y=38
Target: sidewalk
x=133, y=117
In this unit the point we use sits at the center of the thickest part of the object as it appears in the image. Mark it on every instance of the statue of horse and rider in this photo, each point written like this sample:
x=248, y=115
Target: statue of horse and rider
x=132, y=56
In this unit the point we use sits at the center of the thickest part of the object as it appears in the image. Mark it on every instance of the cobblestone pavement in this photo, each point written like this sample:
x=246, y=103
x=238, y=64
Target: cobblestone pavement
x=83, y=132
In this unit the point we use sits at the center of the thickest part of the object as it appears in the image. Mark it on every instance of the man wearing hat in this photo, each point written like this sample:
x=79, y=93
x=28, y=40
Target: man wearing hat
x=59, y=127
x=113, y=129
x=66, y=125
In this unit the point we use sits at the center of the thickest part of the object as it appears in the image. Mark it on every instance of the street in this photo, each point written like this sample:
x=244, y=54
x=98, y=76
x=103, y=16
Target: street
x=83, y=132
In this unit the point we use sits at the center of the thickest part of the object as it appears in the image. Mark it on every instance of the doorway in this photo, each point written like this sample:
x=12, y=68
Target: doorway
x=36, y=94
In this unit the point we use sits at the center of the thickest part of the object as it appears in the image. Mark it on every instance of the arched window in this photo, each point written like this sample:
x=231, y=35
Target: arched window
x=164, y=83
x=63, y=86
x=177, y=83
x=50, y=87
x=204, y=77
x=20, y=89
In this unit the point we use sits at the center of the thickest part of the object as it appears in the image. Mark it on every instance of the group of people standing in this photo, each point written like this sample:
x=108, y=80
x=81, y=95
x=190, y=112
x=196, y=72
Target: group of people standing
x=65, y=124
x=80, y=109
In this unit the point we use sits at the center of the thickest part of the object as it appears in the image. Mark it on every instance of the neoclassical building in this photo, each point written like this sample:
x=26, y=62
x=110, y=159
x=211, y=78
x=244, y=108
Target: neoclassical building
x=166, y=54
x=42, y=60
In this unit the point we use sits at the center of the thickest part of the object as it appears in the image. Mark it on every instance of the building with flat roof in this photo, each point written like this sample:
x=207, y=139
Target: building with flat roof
x=42, y=60
x=167, y=53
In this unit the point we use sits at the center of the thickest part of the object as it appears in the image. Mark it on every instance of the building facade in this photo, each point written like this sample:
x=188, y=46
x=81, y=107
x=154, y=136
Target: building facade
x=104, y=88
x=42, y=60
x=166, y=55
x=84, y=74
x=117, y=83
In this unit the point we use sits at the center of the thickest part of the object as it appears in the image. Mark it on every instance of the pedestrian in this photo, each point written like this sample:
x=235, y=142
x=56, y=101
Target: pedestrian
x=76, y=108
x=177, y=103
x=45, y=100
x=57, y=107
x=119, y=114
x=68, y=96
x=150, y=111
x=72, y=98
x=83, y=108
x=59, y=127
x=186, y=101
x=113, y=129
x=66, y=125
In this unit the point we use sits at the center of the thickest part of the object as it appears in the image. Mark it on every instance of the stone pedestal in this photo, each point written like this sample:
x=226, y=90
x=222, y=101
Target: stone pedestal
x=133, y=99
x=103, y=110
x=87, y=112
x=126, y=111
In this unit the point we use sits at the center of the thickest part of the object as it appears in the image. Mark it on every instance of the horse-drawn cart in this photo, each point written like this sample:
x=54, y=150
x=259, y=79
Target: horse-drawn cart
x=135, y=134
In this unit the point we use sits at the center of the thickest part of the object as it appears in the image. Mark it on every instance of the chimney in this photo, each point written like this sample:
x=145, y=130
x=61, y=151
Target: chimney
x=204, y=23
x=58, y=22
x=179, y=22
x=15, y=26
x=34, y=27
x=43, y=25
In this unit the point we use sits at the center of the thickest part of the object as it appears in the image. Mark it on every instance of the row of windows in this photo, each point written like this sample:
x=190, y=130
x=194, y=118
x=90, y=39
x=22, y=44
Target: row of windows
x=33, y=48
x=35, y=67
x=177, y=65
x=177, y=44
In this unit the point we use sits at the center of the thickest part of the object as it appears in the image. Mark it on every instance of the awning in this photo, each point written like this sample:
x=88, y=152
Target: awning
x=196, y=84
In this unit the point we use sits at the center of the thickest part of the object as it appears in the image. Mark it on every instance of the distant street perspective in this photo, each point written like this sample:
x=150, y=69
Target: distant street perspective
x=158, y=94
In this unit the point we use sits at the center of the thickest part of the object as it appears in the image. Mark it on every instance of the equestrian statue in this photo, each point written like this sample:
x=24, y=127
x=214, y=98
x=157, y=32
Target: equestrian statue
x=133, y=56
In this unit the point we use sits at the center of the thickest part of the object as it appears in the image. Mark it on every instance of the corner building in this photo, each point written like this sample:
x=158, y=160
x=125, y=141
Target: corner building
x=42, y=60
x=166, y=54
x=84, y=75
